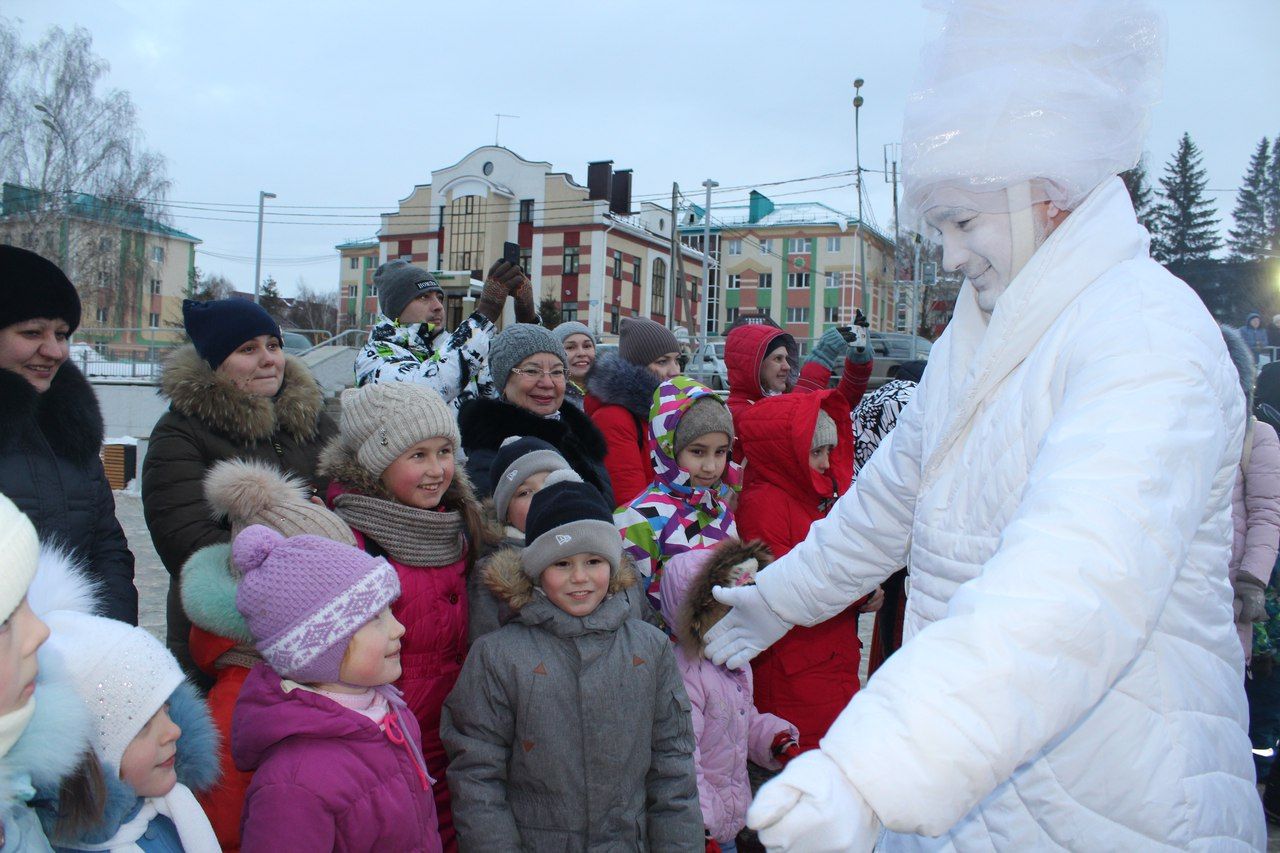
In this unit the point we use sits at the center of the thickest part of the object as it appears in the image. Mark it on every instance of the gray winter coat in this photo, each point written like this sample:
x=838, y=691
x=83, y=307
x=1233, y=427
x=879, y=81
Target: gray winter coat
x=570, y=733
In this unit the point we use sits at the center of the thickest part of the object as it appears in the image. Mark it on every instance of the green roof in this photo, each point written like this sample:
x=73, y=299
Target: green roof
x=358, y=244
x=18, y=199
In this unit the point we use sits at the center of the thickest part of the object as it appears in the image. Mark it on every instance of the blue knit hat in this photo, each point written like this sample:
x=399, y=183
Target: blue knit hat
x=219, y=326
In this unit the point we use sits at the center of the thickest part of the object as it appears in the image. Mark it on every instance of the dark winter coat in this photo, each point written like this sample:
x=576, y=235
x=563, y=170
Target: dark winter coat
x=328, y=778
x=433, y=609
x=1254, y=339
x=570, y=733
x=485, y=423
x=809, y=676
x=620, y=396
x=50, y=468
x=209, y=420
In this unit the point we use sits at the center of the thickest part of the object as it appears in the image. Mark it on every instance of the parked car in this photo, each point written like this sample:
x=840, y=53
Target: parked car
x=707, y=366
x=889, y=349
x=296, y=342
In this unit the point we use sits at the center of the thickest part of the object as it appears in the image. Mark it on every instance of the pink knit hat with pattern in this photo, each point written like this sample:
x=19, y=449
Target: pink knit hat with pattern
x=305, y=596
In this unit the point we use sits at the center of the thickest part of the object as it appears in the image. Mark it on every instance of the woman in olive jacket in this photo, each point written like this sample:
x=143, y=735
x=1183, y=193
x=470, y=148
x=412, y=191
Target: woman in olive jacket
x=232, y=394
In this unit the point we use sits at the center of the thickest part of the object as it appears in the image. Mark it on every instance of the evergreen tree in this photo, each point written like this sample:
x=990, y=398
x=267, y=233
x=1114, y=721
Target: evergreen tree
x=1140, y=194
x=1187, y=221
x=271, y=301
x=1249, y=239
x=1271, y=197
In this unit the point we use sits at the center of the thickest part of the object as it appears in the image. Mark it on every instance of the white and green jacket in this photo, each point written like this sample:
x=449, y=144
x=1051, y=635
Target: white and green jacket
x=456, y=365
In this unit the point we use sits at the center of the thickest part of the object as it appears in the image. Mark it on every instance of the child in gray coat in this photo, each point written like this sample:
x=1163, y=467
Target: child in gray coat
x=569, y=727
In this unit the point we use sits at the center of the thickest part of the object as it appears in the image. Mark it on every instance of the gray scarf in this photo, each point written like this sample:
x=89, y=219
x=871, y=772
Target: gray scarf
x=408, y=535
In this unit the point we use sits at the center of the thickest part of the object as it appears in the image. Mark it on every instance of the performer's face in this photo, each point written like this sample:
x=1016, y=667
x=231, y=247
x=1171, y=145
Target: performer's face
x=979, y=246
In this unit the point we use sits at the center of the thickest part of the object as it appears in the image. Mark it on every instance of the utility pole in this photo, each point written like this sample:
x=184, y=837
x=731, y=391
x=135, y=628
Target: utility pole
x=857, y=152
x=706, y=263
x=669, y=286
x=263, y=195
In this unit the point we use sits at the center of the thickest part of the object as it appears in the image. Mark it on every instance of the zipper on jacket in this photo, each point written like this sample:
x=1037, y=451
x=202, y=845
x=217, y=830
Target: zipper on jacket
x=278, y=448
x=391, y=727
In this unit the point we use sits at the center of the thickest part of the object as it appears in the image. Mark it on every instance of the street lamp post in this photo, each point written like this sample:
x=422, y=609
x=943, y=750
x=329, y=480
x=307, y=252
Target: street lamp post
x=263, y=195
x=858, y=235
x=706, y=263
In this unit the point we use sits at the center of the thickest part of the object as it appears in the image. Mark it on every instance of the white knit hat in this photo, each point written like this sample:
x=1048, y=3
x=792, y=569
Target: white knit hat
x=379, y=422
x=21, y=548
x=121, y=673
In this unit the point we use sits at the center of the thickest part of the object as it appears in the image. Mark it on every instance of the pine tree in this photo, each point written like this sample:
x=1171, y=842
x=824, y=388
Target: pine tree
x=1271, y=197
x=1249, y=239
x=1188, y=226
x=271, y=301
x=1140, y=194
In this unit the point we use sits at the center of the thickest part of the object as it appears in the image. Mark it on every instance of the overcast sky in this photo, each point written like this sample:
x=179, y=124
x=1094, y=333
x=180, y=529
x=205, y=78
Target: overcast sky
x=350, y=105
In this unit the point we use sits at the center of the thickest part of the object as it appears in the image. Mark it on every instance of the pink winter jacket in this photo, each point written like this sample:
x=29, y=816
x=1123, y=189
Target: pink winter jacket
x=1255, y=512
x=727, y=729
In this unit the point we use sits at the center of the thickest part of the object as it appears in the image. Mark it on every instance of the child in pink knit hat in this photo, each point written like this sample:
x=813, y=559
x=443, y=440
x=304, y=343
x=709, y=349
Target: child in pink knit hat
x=336, y=756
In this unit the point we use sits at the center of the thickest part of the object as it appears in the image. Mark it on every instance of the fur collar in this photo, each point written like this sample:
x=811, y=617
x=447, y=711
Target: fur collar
x=700, y=611
x=505, y=578
x=484, y=424
x=1242, y=360
x=67, y=414
x=196, y=390
x=54, y=741
x=209, y=594
x=615, y=381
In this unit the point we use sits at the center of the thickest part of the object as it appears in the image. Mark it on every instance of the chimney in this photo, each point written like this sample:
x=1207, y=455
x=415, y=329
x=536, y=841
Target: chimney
x=620, y=198
x=599, y=180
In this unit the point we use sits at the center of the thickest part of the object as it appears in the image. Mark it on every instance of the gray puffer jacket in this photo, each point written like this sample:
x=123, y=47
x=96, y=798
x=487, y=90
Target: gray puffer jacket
x=570, y=733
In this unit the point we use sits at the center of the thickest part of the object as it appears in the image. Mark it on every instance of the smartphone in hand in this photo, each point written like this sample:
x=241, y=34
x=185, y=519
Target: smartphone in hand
x=511, y=253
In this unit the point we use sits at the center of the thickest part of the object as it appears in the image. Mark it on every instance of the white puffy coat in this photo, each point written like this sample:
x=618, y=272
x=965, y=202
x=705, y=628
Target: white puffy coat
x=1060, y=486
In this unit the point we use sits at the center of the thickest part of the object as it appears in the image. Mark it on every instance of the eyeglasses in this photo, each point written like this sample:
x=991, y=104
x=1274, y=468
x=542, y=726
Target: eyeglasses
x=556, y=374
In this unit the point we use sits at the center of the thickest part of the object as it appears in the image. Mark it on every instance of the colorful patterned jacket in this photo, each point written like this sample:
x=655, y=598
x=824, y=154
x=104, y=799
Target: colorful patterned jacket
x=672, y=516
x=456, y=365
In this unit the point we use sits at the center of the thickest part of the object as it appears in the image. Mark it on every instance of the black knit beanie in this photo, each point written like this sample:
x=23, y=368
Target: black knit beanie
x=217, y=327
x=567, y=517
x=33, y=286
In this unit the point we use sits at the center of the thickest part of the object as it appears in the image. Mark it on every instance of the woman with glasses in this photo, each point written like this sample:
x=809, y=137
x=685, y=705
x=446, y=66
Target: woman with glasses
x=529, y=367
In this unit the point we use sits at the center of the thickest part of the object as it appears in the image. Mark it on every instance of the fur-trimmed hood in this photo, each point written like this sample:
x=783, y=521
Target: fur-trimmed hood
x=505, y=578
x=209, y=594
x=196, y=390
x=196, y=767
x=614, y=381
x=67, y=414
x=687, y=581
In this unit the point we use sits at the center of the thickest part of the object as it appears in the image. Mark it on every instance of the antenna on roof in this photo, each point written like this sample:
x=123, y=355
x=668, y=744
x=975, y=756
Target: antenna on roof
x=497, y=125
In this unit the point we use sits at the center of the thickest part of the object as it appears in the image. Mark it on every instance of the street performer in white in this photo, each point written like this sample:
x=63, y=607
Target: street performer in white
x=1060, y=488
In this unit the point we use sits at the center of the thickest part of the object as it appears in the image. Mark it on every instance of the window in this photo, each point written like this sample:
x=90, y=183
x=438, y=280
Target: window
x=526, y=260
x=833, y=244
x=766, y=247
x=157, y=254
x=568, y=312
x=766, y=281
x=368, y=262
x=373, y=290
x=466, y=232
x=526, y=210
x=153, y=319
x=103, y=314
x=797, y=279
x=680, y=288
x=732, y=281
x=735, y=247
x=768, y=312
x=831, y=314
x=614, y=319
x=353, y=263
x=635, y=271
x=570, y=260
x=351, y=291
x=155, y=287
x=617, y=264
x=835, y=279
x=658, y=292
x=797, y=315
x=731, y=315
x=801, y=245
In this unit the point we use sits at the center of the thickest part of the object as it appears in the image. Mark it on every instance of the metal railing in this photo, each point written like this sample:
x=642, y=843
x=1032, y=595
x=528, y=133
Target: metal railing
x=350, y=337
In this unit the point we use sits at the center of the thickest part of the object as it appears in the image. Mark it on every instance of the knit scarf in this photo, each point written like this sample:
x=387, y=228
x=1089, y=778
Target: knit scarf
x=180, y=806
x=408, y=535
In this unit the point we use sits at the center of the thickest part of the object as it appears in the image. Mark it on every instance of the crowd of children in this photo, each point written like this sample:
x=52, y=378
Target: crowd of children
x=404, y=666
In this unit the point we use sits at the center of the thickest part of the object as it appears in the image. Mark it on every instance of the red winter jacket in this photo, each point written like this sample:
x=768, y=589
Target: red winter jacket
x=745, y=350
x=619, y=397
x=224, y=802
x=433, y=609
x=809, y=676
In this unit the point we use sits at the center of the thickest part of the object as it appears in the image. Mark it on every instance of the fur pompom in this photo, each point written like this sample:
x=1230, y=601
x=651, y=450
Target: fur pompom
x=244, y=488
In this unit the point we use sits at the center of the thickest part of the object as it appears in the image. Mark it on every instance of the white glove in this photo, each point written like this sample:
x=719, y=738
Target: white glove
x=746, y=630
x=812, y=806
